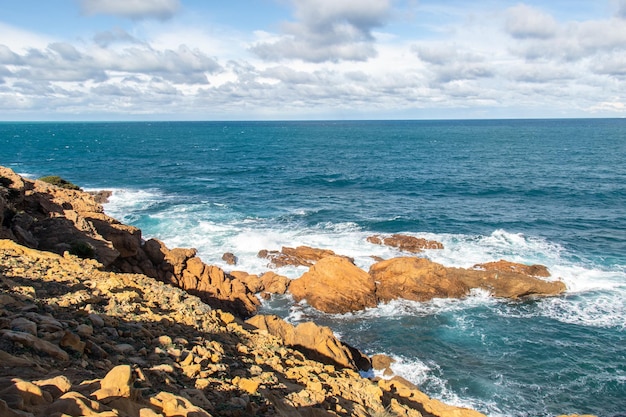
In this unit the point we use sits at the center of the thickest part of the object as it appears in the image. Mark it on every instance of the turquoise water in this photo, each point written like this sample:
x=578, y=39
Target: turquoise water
x=532, y=191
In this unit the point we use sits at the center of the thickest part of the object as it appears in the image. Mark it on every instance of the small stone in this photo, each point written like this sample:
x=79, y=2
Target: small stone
x=229, y=258
x=164, y=340
x=249, y=385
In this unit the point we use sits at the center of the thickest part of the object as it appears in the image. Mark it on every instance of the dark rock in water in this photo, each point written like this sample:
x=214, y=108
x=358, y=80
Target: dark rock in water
x=229, y=258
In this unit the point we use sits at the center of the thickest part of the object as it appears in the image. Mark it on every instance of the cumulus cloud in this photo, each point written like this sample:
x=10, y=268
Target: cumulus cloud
x=132, y=9
x=448, y=63
x=528, y=22
x=621, y=9
x=328, y=30
x=114, y=36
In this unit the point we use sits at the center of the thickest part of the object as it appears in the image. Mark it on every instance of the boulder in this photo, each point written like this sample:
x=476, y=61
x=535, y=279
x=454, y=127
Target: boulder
x=335, y=285
x=419, y=279
x=229, y=258
x=416, y=279
x=405, y=243
x=507, y=284
x=274, y=283
x=317, y=342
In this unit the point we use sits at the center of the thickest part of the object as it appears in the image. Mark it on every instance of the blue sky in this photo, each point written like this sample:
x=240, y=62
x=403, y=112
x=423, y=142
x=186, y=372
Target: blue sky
x=311, y=59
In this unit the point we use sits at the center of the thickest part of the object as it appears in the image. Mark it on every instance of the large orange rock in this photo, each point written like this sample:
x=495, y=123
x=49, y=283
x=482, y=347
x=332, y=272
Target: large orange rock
x=507, y=284
x=419, y=279
x=406, y=243
x=335, y=285
x=416, y=279
x=317, y=342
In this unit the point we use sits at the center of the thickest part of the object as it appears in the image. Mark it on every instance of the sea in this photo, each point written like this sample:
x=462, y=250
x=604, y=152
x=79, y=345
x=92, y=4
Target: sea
x=549, y=192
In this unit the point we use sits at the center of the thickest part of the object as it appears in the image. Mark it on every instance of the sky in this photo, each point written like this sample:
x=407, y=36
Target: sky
x=311, y=59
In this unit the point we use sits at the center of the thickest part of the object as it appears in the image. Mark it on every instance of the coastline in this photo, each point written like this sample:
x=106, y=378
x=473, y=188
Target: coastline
x=316, y=385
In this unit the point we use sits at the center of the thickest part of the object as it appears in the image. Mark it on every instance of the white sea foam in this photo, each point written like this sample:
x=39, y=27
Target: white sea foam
x=214, y=229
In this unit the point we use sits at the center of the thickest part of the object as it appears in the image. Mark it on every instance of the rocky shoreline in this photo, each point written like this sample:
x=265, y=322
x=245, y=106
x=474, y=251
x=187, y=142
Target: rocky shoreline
x=96, y=321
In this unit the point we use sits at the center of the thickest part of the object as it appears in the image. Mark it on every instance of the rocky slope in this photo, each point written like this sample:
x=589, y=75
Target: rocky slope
x=103, y=337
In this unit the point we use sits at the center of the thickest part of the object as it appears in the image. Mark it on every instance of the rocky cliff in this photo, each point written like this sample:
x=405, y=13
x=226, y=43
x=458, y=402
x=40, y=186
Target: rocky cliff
x=90, y=325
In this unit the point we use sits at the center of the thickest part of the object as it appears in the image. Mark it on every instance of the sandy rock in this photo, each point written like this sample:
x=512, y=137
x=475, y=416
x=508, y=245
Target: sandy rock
x=507, y=284
x=76, y=404
x=318, y=342
x=117, y=383
x=416, y=279
x=405, y=393
x=274, y=283
x=405, y=243
x=56, y=386
x=171, y=405
x=335, y=285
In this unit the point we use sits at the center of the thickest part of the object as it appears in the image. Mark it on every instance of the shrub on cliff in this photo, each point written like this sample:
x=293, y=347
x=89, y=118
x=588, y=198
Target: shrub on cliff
x=59, y=182
x=82, y=250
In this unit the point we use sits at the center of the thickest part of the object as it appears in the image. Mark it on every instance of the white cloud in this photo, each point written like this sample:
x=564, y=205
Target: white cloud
x=621, y=9
x=328, y=30
x=133, y=9
x=114, y=36
x=528, y=22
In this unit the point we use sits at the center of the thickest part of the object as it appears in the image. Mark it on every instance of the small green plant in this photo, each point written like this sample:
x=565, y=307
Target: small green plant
x=82, y=250
x=59, y=182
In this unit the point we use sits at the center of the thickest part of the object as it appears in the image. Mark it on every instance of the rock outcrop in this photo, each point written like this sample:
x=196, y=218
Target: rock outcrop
x=300, y=256
x=43, y=216
x=316, y=342
x=405, y=243
x=140, y=347
x=416, y=279
x=335, y=285
x=103, y=337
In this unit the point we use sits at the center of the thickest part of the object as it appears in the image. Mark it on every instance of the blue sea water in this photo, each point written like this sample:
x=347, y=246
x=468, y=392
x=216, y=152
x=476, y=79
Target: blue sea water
x=531, y=191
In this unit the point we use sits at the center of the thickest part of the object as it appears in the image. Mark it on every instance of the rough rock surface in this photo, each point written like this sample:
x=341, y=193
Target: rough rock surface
x=507, y=284
x=507, y=266
x=300, y=256
x=335, y=285
x=405, y=243
x=416, y=279
x=43, y=216
x=154, y=350
x=317, y=342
